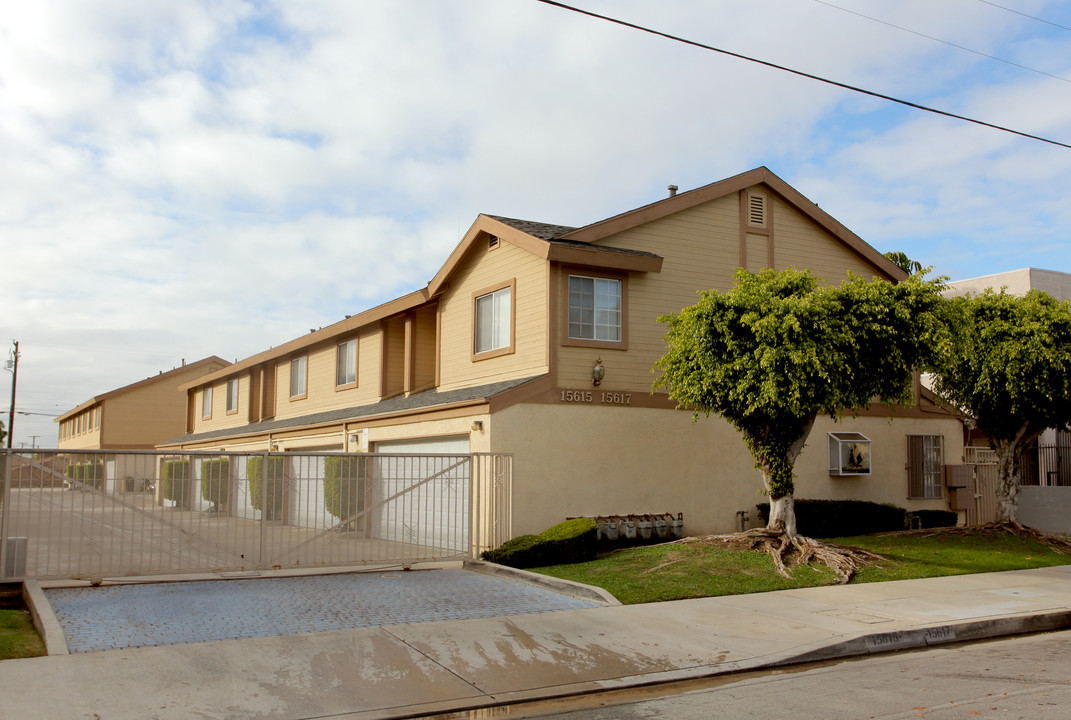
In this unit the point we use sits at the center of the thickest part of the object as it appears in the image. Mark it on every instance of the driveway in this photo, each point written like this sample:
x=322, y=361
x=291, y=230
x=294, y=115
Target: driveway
x=168, y=613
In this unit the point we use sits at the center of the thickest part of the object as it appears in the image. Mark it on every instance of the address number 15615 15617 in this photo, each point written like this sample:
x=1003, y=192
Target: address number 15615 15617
x=596, y=396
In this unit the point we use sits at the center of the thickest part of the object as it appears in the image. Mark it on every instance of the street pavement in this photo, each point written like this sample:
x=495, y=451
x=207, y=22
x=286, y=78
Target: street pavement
x=414, y=669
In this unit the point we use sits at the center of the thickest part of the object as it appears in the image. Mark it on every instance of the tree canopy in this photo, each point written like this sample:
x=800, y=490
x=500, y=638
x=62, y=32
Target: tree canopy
x=780, y=348
x=902, y=261
x=1009, y=366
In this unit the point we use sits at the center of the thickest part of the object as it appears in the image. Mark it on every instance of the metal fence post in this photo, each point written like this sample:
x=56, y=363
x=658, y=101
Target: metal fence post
x=263, y=509
x=5, y=498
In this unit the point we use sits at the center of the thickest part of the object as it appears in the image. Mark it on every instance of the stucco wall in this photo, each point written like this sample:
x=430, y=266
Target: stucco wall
x=580, y=460
x=1045, y=508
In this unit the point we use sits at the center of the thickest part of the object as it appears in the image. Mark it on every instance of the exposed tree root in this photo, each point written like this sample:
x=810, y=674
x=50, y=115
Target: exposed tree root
x=797, y=550
x=1055, y=542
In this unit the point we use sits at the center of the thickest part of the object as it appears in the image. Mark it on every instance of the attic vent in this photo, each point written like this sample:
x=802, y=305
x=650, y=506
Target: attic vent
x=756, y=210
x=492, y=242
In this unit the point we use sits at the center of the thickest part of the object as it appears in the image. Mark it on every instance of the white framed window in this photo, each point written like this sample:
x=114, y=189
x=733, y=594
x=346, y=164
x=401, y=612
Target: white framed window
x=596, y=310
x=925, y=466
x=493, y=322
x=232, y=396
x=299, y=377
x=206, y=402
x=346, y=363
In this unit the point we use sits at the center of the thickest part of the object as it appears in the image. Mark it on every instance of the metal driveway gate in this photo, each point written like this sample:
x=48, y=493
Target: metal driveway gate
x=119, y=513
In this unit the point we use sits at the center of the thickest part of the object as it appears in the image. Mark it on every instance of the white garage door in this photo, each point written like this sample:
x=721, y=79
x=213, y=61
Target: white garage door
x=422, y=498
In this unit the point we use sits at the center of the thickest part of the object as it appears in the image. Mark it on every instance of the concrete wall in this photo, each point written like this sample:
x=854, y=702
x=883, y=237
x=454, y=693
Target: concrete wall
x=1017, y=282
x=1045, y=508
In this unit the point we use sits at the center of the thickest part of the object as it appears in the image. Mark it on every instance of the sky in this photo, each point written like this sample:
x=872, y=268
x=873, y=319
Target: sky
x=188, y=178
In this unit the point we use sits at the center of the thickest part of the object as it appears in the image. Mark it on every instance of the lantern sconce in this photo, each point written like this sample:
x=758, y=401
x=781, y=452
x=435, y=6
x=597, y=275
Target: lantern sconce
x=477, y=425
x=598, y=372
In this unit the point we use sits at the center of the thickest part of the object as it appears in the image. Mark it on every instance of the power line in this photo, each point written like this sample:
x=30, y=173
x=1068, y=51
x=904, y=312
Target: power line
x=1032, y=17
x=945, y=42
x=775, y=66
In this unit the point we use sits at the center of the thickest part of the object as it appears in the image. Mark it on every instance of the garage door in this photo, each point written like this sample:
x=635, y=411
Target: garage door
x=422, y=498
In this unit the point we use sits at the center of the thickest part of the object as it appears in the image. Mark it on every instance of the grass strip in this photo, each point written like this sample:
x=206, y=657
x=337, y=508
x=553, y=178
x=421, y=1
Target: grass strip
x=712, y=567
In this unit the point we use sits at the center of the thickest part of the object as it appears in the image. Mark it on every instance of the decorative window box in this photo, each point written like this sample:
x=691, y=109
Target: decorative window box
x=849, y=454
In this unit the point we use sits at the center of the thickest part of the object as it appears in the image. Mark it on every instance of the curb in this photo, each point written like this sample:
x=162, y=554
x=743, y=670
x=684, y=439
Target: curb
x=871, y=644
x=934, y=636
x=44, y=619
x=565, y=587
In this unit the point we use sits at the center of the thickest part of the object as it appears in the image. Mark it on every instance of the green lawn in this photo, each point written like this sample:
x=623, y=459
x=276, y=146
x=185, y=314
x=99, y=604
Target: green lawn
x=18, y=639
x=705, y=569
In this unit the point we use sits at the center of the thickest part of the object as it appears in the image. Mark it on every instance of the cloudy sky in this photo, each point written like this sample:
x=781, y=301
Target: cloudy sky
x=189, y=178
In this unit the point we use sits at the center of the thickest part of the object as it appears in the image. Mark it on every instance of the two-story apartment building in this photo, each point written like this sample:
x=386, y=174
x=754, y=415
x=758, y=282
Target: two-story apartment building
x=539, y=340
x=136, y=416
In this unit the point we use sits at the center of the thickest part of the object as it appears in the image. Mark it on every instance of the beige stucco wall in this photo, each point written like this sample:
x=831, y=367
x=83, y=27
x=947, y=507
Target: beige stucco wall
x=582, y=460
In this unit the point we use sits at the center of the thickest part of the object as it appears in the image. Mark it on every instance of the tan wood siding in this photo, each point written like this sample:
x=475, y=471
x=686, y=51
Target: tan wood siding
x=701, y=247
x=480, y=270
x=393, y=354
x=321, y=393
x=425, y=347
x=800, y=243
x=758, y=252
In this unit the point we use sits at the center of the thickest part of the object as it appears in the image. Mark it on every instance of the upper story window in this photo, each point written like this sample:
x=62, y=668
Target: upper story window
x=232, y=396
x=596, y=309
x=206, y=402
x=493, y=323
x=299, y=379
x=346, y=364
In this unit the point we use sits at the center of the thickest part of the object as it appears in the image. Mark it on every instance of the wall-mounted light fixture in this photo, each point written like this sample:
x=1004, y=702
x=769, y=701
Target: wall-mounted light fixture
x=598, y=372
x=354, y=437
x=477, y=425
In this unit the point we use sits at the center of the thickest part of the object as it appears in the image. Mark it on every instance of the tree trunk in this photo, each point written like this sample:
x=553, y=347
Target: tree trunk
x=1007, y=488
x=783, y=516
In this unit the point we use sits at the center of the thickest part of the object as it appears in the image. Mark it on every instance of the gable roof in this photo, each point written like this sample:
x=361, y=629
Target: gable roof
x=162, y=376
x=575, y=246
x=595, y=232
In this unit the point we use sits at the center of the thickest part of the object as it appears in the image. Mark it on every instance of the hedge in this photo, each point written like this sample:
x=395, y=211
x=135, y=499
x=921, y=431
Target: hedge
x=275, y=484
x=935, y=518
x=572, y=541
x=175, y=476
x=842, y=518
x=87, y=473
x=345, y=479
x=216, y=481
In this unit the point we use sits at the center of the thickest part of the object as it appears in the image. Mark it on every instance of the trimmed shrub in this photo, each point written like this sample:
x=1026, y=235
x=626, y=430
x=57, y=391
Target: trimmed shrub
x=572, y=541
x=216, y=481
x=87, y=473
x=276, y=484
x=842, y=518
x=936, y=518
x=175, y=476
x=345, y=480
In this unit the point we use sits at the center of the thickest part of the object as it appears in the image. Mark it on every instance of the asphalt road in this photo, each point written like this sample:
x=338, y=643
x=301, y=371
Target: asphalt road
x=1026, y=678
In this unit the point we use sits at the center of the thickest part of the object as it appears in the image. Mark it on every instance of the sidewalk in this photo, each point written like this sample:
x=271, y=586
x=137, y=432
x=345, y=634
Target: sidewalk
x=411, y=670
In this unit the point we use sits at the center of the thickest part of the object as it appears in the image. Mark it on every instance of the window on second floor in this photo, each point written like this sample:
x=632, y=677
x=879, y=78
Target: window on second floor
x=493, y=323
x=346, y=364
x=596, y=309
x=299, y=377
x=232, y=396
x=206, y=402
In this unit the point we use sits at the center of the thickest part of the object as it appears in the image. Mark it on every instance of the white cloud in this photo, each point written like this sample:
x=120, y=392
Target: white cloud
x=193, y=178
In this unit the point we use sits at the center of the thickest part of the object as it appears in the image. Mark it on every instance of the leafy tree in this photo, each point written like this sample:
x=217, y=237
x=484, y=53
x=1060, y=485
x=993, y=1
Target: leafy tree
x=3, y=434
x=1009, y=367
x=902, y=261
x=779, y=349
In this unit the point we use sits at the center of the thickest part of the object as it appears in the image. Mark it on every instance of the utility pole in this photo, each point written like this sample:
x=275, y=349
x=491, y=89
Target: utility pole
x=12, y=365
